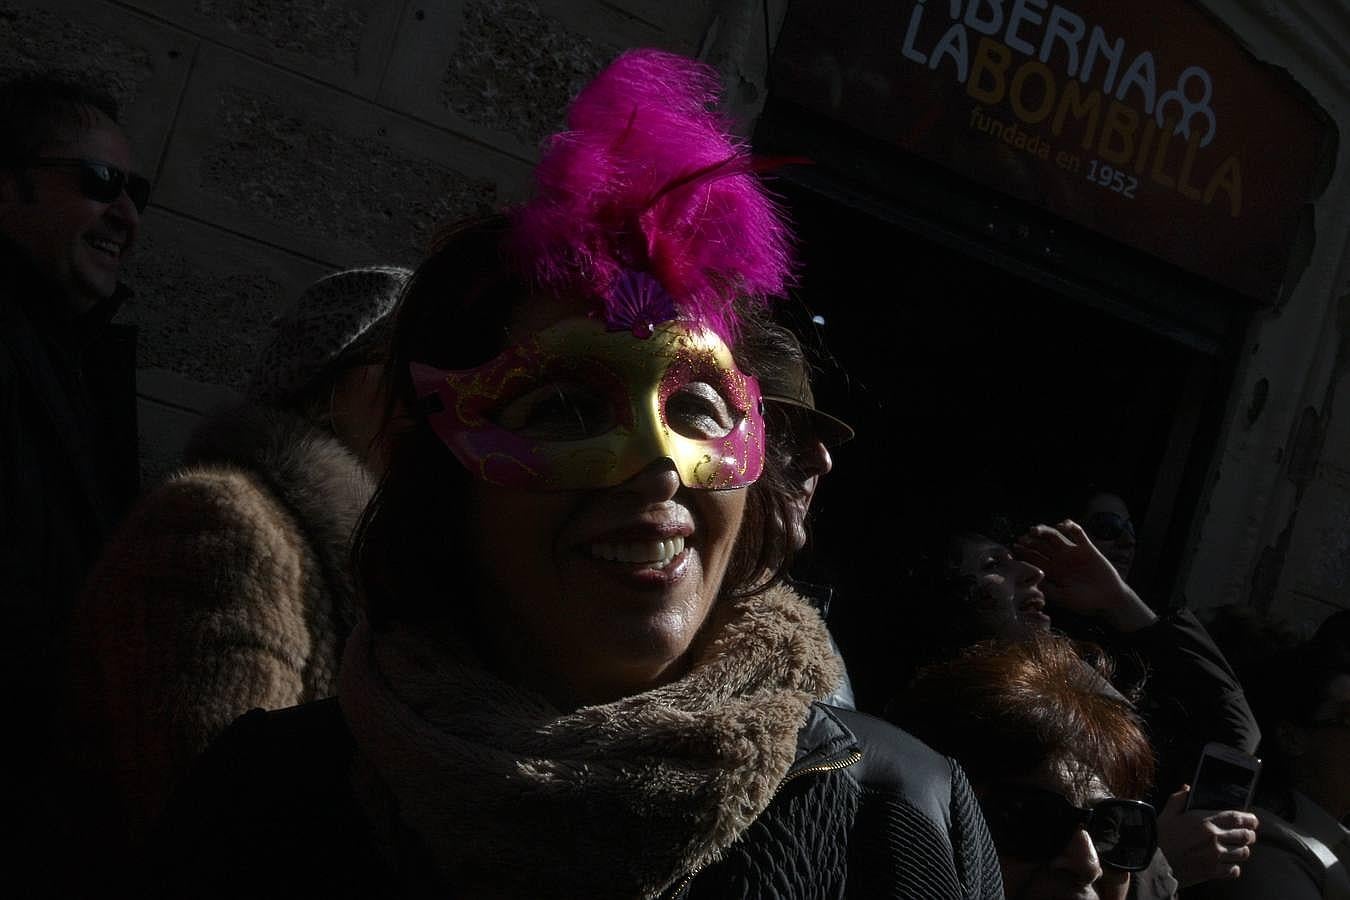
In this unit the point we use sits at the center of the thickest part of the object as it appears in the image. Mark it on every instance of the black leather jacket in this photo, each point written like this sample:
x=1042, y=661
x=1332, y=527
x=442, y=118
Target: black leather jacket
x=866, y=811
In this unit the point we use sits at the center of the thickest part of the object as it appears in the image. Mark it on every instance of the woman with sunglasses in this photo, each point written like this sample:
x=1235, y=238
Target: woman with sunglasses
x=1057, y=759
x=572, y=678
x=1107, y=521
x=1185, y=689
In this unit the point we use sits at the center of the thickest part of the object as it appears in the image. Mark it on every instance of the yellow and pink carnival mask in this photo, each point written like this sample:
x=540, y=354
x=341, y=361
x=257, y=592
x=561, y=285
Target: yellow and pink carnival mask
x=586, y=403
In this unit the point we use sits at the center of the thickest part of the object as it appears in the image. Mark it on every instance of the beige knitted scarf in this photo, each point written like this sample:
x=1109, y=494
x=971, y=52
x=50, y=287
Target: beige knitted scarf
x=504, y=796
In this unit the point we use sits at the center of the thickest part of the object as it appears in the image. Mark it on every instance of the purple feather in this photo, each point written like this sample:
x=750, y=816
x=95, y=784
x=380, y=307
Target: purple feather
x=649, y=178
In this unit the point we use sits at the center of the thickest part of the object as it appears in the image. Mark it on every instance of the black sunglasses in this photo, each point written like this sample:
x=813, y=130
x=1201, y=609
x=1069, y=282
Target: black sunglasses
x=1034, y=824
x=1108, y=526
x=102, y=181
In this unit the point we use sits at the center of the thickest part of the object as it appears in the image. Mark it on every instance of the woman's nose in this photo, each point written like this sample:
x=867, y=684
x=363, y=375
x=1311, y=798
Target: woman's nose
x=1079, y=858
x=656, y=483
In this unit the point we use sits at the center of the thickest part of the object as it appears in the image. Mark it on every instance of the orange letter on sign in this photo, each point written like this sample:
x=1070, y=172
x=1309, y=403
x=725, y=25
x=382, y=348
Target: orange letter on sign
x=1121, y=122
x=993, y=58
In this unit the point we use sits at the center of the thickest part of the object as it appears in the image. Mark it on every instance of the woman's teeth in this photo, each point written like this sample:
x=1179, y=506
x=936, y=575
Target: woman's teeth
x=645, y=553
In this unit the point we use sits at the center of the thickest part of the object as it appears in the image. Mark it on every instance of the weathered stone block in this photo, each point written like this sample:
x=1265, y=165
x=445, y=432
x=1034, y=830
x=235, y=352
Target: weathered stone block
x=142, y=63
x=503, y=70
x=205, y=299
x=342, y=42
x=318, y=172
x=514, y=70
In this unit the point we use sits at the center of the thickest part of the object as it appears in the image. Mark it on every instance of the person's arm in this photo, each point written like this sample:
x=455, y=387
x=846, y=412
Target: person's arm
x=194, y=615
x=919, y=831
x=1188, y=667
x=1193, y=694
x=976, y=856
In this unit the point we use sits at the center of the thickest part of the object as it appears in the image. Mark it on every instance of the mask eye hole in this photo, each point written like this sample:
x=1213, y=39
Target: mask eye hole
x=697, y=410
x=559, y=411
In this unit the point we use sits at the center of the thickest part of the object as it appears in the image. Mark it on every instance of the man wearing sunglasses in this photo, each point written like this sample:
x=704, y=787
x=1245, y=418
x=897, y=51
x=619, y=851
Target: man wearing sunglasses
x=69, y=214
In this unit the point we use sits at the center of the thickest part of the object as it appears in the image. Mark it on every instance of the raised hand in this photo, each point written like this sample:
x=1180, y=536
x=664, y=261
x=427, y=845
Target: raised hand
x=1079, y=578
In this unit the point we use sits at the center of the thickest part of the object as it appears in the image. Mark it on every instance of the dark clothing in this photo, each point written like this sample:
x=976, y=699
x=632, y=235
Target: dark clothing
x=68, y=454
x=865, y=811
x=900, y=822
x=68, y=466
x=1191, y=695
x=225, y=588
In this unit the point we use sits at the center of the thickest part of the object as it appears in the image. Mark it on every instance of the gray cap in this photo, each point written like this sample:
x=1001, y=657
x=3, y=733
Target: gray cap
x=340, y=316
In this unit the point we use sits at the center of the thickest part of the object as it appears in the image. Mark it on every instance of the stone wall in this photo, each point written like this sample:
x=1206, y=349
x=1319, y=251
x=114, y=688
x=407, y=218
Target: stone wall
x=1275, y=532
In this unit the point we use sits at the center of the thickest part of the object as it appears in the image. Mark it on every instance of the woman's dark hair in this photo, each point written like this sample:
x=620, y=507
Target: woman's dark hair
x=36, y=106
x=1003, y=710
x=455, y=314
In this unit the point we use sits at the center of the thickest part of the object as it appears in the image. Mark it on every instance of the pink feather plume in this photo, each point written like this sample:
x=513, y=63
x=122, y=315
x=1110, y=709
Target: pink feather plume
x=649, y=178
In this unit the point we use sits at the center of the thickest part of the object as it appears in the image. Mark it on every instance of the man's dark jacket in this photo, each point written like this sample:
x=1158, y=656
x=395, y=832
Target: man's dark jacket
x=68, y=467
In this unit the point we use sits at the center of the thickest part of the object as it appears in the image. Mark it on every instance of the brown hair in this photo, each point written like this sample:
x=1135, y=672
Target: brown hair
x=1003, y=710
x=454, y=314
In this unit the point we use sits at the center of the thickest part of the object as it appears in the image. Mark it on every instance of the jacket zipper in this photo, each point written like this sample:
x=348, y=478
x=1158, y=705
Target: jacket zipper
x=852, y=759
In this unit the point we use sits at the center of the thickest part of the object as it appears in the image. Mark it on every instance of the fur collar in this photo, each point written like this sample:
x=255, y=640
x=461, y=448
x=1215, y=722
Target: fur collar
x=501, y=795
x=323, y=484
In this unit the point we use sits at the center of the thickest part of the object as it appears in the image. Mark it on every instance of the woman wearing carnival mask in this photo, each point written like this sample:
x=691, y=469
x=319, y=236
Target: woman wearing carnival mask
x=574, y=678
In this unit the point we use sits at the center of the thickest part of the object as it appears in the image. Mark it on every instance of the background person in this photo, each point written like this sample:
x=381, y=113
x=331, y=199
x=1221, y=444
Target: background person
x=800, y=436
x=582, y=686
x=973, y=587
x=1187, y=693
x=1106, y=519
x=228, y=587
x=70, y=208
x=1302, y=696
x=1057, y=759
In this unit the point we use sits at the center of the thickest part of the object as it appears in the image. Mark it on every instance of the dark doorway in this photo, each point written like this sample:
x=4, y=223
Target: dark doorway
x=964, y=377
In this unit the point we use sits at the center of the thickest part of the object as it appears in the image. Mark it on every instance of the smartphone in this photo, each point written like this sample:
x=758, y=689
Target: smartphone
x=1224, y=779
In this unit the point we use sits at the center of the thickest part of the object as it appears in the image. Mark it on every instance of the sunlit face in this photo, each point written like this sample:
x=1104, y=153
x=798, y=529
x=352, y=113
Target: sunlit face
x=1006, y=601
x=595, y=593
x=78, y=242
x=1107, y=521
x=803, y=457
x=1075, y=872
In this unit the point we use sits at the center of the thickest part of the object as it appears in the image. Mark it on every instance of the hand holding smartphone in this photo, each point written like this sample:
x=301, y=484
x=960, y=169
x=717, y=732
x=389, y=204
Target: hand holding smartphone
x=1224, y=779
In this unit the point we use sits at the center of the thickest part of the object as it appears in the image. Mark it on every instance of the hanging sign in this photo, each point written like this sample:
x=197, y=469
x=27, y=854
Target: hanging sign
x=1145, y=121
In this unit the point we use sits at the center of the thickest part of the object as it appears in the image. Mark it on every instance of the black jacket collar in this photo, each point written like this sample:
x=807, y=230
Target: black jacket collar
x=824, y=740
